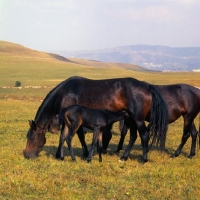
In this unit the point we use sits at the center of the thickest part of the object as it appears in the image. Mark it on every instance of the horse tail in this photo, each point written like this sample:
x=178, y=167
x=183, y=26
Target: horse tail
x=158, y=119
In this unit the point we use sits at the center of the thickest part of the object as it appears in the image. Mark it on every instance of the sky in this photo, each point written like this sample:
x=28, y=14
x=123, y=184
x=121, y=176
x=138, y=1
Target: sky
x=98, y=24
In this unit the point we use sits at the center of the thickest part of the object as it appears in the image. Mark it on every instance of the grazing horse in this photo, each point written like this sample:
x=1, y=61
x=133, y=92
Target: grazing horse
x=182, y=100
x=134, y=96
x=72, y=117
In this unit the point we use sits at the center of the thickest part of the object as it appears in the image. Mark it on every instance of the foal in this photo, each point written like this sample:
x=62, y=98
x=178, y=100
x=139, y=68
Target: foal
x=75, y=116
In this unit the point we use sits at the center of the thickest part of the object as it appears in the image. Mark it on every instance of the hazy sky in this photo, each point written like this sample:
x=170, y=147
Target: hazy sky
x=97, y=24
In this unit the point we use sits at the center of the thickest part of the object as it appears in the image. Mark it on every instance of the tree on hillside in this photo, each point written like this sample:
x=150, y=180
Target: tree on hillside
x=17, y=84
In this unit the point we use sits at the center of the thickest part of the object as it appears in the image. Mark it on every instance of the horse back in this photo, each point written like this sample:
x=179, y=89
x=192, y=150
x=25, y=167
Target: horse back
x=112, y=94
x=181, y=99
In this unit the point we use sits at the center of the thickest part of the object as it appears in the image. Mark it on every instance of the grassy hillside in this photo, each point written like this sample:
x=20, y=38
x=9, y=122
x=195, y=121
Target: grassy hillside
x=34, y=68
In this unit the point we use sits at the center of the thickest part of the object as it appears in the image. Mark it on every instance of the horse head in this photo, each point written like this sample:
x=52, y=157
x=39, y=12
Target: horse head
x=35, y=140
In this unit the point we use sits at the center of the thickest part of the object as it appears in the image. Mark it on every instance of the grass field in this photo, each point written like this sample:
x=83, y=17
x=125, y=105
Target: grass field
x=47, y=178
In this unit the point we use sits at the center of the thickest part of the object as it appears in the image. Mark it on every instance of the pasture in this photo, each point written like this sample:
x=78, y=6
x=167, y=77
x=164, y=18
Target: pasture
x=47, y=178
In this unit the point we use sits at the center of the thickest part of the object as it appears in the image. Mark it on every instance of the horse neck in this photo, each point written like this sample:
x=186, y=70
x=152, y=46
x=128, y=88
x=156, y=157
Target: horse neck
x=44, y=115
x=48, y=109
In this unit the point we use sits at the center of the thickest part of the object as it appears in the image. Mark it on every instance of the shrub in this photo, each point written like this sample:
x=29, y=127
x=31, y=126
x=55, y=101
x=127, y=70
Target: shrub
x=17, y=84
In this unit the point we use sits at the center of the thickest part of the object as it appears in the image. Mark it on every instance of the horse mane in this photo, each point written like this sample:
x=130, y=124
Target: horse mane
x=46, y=102
x=46, y=109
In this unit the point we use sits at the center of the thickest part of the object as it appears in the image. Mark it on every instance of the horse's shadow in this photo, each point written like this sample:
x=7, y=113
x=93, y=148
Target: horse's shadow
x=50, y=151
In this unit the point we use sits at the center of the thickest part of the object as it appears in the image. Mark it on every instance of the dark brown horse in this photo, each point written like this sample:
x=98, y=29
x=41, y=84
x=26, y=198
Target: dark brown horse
x=182, y=100
x=72, y=117
x=134, y=96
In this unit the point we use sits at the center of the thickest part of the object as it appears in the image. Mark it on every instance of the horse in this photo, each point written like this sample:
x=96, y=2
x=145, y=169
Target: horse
x=134, y=96
x=72, y=117
x=182, y=100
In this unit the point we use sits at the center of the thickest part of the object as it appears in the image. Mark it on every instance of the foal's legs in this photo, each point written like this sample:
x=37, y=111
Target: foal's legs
x=186, y=134
x=81, y=137
x=63, y=135
x=69, y=143
x=94, y=142
x=100, y=146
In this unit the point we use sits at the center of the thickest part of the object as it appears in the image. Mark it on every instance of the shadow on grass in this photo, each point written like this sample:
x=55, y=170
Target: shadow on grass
x=136, y=155
x=51, y=151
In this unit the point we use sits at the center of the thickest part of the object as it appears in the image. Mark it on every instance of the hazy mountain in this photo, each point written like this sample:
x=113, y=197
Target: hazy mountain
x=160, y=58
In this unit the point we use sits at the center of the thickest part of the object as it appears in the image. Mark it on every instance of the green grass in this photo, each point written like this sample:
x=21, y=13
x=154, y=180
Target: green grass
x=47, y=178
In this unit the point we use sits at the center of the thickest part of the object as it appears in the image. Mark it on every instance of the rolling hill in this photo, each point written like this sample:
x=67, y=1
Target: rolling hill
x=11, y=49
x=8, y=48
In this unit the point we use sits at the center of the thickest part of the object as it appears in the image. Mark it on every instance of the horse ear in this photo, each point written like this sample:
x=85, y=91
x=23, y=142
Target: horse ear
x=32, y=124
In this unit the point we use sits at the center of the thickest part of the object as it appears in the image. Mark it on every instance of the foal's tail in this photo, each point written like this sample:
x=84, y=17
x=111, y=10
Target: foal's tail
x=61, y=116
x=158, y=119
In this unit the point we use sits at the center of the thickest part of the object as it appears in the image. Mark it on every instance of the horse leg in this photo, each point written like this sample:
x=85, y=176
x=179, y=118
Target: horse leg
x=107, y=135
x=81, y=137
x=144, y=135
x=133, y=137
x=94, y=142
x=194, y=133
x=63, y=135
x=69, y=144
x=186, y=135
x=123, y=130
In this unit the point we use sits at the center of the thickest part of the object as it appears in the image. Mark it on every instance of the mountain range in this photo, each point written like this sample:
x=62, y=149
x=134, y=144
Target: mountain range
x=159, y=58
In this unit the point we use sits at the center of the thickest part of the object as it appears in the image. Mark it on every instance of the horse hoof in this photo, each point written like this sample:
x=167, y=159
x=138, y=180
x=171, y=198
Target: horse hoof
x=123, y=158
x=88, y=161
x=58, y=157
x=174, y=155
x=190, y=156
x=144, y=161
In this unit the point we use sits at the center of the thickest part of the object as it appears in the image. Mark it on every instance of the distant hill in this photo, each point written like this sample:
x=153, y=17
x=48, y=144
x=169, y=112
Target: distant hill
x=99, y=64
x=11, y=49
x=161, y=58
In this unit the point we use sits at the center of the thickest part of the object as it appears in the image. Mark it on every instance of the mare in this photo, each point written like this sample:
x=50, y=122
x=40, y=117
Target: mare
x=134, y=96
x=182, y=100
x=72, y=117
